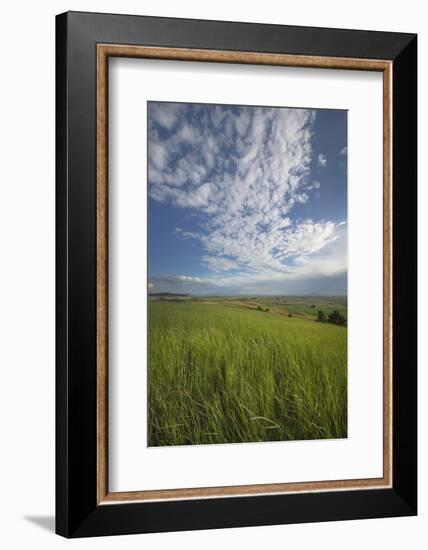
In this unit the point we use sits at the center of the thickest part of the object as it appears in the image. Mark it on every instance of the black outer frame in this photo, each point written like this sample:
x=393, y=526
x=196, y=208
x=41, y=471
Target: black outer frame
x=77, y=513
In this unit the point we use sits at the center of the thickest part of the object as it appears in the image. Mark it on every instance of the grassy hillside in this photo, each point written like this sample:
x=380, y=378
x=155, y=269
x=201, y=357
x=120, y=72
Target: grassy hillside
x=222, y=371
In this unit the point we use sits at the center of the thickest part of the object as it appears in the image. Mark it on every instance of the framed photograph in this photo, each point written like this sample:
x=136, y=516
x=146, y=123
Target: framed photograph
x=236, y=274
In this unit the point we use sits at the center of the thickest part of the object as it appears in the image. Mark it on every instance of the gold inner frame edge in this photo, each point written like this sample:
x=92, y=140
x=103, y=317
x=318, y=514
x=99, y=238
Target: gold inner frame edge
x=104, y=51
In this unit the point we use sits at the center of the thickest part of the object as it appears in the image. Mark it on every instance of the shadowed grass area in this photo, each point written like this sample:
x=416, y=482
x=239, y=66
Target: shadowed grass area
x=220, y=374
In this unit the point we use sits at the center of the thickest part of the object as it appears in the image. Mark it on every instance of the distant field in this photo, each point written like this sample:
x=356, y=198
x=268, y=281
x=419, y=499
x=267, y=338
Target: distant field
x=225, y=370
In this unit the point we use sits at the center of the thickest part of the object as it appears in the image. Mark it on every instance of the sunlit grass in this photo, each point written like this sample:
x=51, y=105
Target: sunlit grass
x=220, y=374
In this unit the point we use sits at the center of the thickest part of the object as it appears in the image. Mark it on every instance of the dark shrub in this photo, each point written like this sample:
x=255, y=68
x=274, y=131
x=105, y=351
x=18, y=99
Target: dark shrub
x=321, y=317
x=336, y=318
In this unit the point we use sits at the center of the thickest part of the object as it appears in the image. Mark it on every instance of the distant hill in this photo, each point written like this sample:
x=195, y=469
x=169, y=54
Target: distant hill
x=168, y=294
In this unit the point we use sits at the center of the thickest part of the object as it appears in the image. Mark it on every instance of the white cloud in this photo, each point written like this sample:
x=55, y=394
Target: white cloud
x=330, y=262
x=309, y=237
x=187, y=134
x=217, y=115
x=243, y=123
x=218, y=263
x=187, y=279
x=242, y=172
x=177, y=279
x=198, y=197
x=165, y=114
x=322, y=160
x=158, y=156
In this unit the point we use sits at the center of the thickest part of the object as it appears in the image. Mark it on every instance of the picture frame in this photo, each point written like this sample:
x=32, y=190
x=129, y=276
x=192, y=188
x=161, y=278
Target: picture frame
x=84, y=44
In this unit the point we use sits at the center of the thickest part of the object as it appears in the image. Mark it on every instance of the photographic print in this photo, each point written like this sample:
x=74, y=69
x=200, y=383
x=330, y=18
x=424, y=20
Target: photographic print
x=247, y=274
x=235, y=259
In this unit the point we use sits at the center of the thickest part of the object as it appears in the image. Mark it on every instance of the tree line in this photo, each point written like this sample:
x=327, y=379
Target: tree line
x=335, y=318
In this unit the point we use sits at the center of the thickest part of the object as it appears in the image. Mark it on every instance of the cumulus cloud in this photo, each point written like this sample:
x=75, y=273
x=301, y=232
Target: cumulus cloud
x=327, y=269
x=164, y=114
x=309, y=237
x=322, y=160
x=240, y=171
x=175, y=279
x=218, y=263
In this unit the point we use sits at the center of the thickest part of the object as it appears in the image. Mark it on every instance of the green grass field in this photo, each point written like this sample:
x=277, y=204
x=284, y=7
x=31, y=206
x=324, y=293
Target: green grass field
x=222, y=371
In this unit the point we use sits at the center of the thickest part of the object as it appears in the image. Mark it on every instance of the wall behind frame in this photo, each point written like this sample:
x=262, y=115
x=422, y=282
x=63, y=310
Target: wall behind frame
x=27, y=247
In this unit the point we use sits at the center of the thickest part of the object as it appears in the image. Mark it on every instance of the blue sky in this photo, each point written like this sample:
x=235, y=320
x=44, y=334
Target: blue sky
x=246, y=200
